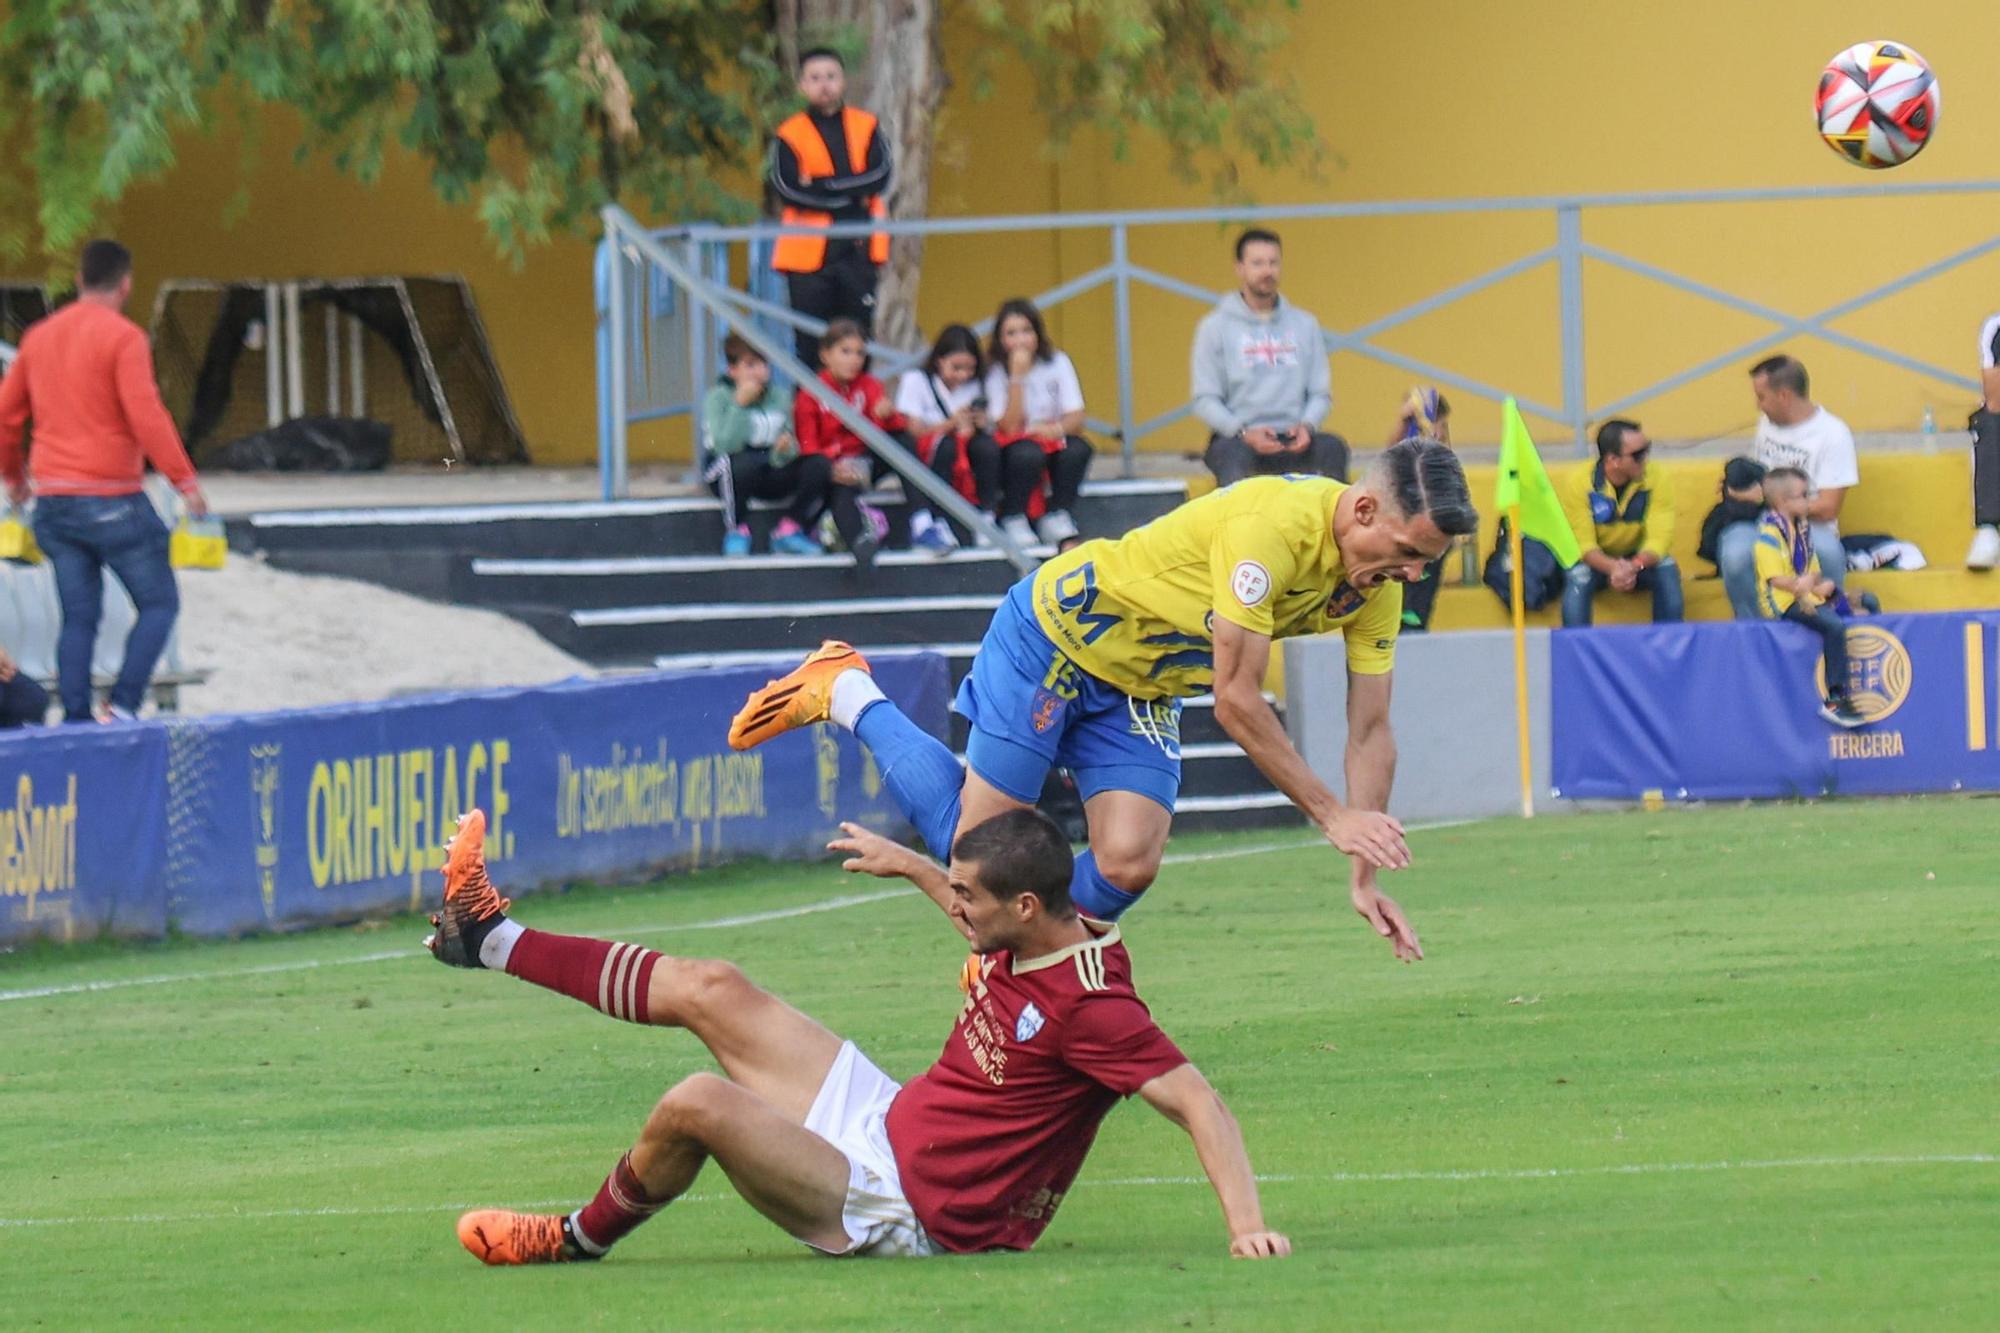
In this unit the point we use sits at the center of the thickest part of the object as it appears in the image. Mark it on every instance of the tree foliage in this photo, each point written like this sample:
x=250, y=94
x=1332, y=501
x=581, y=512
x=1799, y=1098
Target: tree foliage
x=539, y=111
x=1202, y=75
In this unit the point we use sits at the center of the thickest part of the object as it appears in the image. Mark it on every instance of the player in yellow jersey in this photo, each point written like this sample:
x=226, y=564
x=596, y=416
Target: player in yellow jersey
x=1087, y=661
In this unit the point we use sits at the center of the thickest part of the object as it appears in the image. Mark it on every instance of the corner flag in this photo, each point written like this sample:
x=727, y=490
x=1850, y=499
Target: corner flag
x=1525, y=486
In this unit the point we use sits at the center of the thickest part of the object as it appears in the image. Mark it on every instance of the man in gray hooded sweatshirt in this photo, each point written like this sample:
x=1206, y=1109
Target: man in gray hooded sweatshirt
x=1260, y=377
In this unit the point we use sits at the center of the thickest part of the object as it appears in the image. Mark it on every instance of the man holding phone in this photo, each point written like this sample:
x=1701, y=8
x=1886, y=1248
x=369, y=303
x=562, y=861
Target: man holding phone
x=1260, y=377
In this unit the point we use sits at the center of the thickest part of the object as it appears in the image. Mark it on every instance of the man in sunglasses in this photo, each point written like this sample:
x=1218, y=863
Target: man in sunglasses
x=1623, y=525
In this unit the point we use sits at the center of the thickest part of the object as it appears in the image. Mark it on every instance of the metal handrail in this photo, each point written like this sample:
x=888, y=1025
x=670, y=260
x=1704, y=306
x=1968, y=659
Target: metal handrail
x=625, y=230
x=707, y=246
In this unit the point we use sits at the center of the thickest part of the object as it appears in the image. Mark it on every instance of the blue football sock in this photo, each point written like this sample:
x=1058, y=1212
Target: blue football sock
x=1094, y=895
x=919, y=770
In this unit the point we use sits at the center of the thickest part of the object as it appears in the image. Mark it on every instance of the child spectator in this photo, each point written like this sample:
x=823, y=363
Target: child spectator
x=945, y=403
x=1037, y=407
x=749, y=452
x=1426, y=415
x=835, y=467
x=1791, y=587
x=1742, y=502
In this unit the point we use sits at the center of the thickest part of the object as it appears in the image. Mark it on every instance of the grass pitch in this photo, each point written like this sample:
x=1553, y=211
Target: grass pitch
x=1694, y=1069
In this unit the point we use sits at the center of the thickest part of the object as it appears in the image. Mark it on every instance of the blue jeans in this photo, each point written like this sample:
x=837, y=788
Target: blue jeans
x=81, y=534
x=1583, y=583
x=1736, y=559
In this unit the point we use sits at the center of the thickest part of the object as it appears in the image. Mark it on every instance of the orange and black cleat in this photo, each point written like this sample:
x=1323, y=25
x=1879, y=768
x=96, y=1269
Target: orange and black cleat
x=472, y=906
x=501, y=1238
x=795, y=700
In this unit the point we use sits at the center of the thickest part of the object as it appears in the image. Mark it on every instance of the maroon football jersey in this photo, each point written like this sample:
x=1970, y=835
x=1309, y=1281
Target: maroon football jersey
x=989, y=1139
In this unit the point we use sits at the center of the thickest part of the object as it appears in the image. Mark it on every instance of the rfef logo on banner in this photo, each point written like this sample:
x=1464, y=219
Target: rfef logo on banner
x=1878, y=672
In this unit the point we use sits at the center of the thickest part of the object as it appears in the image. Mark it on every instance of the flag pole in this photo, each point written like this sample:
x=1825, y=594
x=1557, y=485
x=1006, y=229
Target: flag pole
x=1518, y=598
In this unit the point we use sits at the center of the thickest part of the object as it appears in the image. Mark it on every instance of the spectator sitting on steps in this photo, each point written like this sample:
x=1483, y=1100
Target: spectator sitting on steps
x=1624, y=526
x=1742, y=502
x=1791, y=587
x=945, y=403
x=836, y=468
x=748, y=450
x=1260, y=377
x=1035, y=400
x=1794, y=432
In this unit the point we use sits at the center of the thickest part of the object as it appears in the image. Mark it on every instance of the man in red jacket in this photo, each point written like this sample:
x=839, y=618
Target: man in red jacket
x=85, y=377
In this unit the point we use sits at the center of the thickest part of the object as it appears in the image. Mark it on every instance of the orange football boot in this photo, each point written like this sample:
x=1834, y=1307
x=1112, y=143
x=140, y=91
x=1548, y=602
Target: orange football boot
x=470, y=900
x=798, y=699
x=498, y=1237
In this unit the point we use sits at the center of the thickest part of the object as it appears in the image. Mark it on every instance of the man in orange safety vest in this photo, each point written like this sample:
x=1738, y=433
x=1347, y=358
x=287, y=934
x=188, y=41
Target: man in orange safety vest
x=829, y=164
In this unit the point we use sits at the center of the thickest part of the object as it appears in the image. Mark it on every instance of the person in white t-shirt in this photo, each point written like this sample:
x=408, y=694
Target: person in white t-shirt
x=1036, y=405
x=1985, y=552
x=945, y=401
x=1795, y=432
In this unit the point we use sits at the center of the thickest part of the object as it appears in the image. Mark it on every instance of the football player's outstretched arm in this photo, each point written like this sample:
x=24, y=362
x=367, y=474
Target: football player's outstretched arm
x=1240, y=659
x=1371, y=771
x=869, y=853
x=1183, y=1096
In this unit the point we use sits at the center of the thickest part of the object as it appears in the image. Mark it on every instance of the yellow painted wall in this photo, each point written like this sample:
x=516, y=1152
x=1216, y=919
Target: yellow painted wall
x=1426, y=99
x=1467, y=99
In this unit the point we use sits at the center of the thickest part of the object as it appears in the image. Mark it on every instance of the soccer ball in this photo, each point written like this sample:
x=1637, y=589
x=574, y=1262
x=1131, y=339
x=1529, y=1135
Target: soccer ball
x=1877, y=104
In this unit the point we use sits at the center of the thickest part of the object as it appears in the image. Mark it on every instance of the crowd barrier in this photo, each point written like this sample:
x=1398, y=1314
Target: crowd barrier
x=229, y=825
x=1700, y=712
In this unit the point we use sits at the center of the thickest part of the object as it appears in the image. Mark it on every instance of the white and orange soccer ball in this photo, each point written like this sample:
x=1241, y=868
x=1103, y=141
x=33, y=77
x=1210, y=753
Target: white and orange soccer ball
x=1877, y=104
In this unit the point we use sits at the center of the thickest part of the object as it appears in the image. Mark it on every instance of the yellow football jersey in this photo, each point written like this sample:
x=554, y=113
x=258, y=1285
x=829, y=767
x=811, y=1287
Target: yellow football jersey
x=1136, y=612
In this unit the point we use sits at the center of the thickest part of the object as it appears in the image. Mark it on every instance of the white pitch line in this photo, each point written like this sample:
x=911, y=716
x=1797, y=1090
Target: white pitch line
x=720, y=923
x=1333, y=1178
x=390, y=955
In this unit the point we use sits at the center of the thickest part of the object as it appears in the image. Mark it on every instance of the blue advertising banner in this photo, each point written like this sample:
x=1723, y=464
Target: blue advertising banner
x=229, y=825
x=83, y=814
x=331, y=813
x=1730, y=711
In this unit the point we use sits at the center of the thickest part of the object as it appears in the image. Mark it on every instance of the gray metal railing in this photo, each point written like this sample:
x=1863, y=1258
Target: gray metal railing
x=648, y=337
x=633, y=248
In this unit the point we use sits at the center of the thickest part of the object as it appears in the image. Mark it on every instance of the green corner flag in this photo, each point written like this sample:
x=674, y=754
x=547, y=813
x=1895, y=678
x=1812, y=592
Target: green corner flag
x=1524, y=483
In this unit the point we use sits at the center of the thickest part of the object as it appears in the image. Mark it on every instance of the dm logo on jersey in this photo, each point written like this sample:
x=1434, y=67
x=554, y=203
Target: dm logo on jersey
x=1878, y=672
x=1029, y=1023
x=1346, y=600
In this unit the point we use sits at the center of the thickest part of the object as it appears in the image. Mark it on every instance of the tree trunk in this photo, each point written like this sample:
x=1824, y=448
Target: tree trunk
x=903, y=82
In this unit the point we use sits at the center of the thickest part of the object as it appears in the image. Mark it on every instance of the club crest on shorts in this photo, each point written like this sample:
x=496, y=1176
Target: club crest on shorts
x=1045, y=710
x=1251, y=582
x=1029, y=1023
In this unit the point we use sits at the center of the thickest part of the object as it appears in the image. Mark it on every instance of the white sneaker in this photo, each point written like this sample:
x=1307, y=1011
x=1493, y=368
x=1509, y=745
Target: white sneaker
x=1016, y=527
x=1985, y=552
x=1057, y=527
x=979, y=539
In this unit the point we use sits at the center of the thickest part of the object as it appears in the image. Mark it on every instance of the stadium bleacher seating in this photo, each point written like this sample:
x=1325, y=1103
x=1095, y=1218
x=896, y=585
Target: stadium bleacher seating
x=1918, y=496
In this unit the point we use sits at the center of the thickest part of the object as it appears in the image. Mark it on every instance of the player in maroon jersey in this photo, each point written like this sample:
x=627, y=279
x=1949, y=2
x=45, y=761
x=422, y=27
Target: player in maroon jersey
x=975, y=1154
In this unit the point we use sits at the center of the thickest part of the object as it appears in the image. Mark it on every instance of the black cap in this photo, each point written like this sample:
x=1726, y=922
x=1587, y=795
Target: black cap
x=1740, y=474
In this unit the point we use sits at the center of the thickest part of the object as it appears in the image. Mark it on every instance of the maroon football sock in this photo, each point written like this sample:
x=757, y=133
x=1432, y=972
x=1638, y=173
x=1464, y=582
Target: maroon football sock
x=611, y=978
x=621, y=1204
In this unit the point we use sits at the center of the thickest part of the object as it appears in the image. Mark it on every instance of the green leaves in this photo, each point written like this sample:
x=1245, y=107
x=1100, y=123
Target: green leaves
x=539, y=113
x=1200, y=74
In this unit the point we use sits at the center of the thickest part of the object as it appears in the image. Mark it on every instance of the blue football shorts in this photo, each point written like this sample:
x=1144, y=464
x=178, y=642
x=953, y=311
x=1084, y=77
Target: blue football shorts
x=1031, y=706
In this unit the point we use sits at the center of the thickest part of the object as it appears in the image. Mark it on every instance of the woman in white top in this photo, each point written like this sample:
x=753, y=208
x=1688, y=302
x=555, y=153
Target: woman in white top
x=945, y=402
x=1037, y=409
